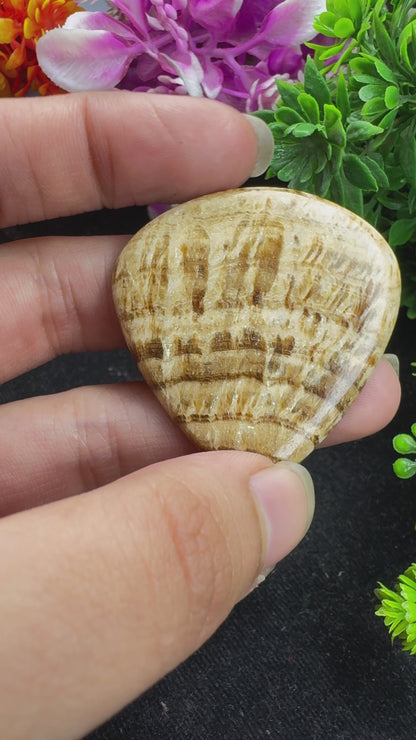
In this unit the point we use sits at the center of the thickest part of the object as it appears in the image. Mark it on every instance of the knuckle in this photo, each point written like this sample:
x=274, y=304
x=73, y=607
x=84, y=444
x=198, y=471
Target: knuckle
x=98, y=152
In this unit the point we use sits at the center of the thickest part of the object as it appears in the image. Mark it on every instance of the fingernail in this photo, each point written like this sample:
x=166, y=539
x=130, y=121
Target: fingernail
x=394, y=362
x=285, y=497
x=265, y=144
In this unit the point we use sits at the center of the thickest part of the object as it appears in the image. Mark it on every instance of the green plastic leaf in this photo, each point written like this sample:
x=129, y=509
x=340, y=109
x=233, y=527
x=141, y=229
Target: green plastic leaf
x=384, y=71
x=362, y=131
x=341, y=8
x=374, y=108
x=301, y=130
x=325, y=23
x=355, y=11
x=309, y=107
x=288, y=116
x=369, y=92
x=327, y=52
x=392, y=97
x=353, y=197
x=289, y=94
x=404, y=468
x=358, y=174
x=377, y=170
x=388, y=120
x=363, y=65
x=401, y=231
x=407, y=45
x=384, y=43
x=267, y=116
x=342, y=97
x=404, y=444
x=367, y=79
x=315, y=84
x=344, y=28
x=333, y=126
x=407, y=155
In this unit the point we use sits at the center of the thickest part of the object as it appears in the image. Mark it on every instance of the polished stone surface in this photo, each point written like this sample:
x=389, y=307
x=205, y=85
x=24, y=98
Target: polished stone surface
x=257, y=315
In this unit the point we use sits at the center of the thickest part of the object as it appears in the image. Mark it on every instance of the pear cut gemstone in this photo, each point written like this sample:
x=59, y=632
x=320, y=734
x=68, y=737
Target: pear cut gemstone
x=257, y=315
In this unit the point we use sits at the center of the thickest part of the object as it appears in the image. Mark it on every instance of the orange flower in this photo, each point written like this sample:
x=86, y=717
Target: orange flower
x=22, y=23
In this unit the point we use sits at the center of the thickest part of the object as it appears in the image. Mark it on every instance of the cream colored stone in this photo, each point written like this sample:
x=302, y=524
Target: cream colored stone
x=257, y=315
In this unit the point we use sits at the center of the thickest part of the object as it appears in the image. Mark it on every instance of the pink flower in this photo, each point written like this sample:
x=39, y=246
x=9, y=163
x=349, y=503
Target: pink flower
x=231, y=50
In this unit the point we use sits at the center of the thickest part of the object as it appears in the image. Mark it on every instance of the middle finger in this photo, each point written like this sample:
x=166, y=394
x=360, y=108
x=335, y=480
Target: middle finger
x=55, y=298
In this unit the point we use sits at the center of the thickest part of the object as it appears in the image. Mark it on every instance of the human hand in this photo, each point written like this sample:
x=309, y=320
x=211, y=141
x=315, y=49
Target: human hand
x=136, y=554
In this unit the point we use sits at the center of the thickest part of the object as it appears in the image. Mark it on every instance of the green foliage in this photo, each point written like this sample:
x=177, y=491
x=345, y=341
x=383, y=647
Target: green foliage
x=398, y=608
x=348, y=132
x=405, y=444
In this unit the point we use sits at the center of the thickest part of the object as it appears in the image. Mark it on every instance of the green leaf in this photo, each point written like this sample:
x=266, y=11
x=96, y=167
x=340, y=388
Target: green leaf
x=374, y=108
x=388, y=120
x=289, y=94
x=384, y=71
x=368, y=80
x=384, y=43
x=407, y=155
x=353, y=197
x=344, y=28
x=362, y=131
x=363, y=65
x=404, y=468
x=342, y=97
x=341, y=8
x=325, y=23
x=404, y=444
x=310, y=107
x=369, y=92
x=355, y=11
x=358, y=174
x=406, y=42
x=401, y=231
x=392, y=97
x=288, y=116
x=315, y=84
x=301, y=130
x=327, y=52
x=377, y=171
x=333, y=126
x=322, y=182
x=267, y=116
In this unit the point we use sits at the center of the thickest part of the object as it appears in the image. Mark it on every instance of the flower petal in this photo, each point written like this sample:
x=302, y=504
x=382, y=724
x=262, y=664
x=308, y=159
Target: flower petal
x=188, y=69
x=8, y=30
x=99, y=22
x=291, y=22
x=80, y=59
x=215, y=15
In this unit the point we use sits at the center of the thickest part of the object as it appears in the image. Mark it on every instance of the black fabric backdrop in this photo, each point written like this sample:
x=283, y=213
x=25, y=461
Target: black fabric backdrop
x=303, y=656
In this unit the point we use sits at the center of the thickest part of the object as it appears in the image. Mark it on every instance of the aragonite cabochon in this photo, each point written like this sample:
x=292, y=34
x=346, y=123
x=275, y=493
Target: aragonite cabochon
x=257, y=315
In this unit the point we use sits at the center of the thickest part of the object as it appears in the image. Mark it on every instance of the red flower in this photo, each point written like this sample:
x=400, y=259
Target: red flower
x=22, y=23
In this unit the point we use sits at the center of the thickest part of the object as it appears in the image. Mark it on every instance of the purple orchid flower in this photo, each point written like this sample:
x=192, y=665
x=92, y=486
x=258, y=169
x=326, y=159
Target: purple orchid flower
x=231, y=50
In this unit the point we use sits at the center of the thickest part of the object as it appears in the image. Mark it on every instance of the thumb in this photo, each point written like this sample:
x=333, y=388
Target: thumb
x=102, y=594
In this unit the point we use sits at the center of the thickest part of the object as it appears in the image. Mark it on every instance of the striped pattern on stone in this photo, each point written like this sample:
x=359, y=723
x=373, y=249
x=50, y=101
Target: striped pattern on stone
x=257, y=315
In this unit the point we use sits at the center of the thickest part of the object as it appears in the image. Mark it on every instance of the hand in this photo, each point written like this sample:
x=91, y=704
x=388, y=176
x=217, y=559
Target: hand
x=136, y=554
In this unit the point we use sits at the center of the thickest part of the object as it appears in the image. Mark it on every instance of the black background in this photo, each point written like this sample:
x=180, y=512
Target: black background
x=303, y=656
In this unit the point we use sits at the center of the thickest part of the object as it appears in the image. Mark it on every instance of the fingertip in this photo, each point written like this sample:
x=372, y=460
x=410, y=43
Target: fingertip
x=285, y=497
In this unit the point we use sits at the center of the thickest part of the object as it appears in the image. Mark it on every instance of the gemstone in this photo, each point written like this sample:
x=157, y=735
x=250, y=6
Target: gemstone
x=257, y=315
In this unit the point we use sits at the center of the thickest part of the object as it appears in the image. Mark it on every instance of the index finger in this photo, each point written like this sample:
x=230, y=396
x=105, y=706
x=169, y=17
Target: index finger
x=85, y=151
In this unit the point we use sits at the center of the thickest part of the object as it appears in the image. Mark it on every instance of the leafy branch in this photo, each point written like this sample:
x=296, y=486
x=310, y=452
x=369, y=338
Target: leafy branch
x=348, y=131
x=398, y=606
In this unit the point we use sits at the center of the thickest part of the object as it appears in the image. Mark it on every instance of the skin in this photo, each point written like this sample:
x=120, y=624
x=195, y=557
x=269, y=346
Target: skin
x=121, y=549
